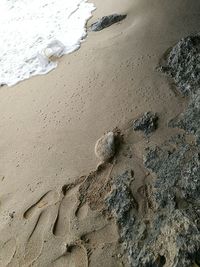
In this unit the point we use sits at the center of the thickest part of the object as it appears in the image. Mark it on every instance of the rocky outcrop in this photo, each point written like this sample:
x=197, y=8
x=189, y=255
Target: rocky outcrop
x=182, y=63
x=189, y=120
x=176, y=194
x=177, y=164
x=171, y=235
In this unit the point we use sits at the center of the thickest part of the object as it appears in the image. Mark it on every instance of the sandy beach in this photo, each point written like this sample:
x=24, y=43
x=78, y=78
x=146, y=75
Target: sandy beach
x=50, y=124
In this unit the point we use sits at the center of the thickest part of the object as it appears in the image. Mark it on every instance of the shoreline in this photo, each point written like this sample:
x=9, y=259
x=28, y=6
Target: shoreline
x=50, y=125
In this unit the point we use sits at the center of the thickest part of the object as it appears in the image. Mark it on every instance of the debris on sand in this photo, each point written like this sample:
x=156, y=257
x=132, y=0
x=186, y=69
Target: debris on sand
x=106, y=21
x=147, y=123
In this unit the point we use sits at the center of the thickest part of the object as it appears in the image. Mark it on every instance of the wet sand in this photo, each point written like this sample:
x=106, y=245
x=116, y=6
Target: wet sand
x=49, y=126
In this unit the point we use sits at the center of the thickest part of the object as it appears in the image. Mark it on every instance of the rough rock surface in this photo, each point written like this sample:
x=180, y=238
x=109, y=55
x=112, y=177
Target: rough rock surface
x=177, y=196
x=120, y=202
x=171, y=235
x=190, y=119
x=106, y=21
x=183, y=64
x=147, y=123
x=177, y=163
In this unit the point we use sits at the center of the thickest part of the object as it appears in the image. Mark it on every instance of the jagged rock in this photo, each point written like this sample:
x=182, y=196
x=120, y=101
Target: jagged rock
x=176, y=228
x=189, y=120
x=120, y=202
x=174, y=242
x=177, y=194
x=106, y=21
x=147, y=123
x=183, y=64
x=178, y=173
x=174, y=235
x=172, y=238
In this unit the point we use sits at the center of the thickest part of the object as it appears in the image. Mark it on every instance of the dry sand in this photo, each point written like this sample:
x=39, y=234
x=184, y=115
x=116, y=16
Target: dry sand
x=49, y=126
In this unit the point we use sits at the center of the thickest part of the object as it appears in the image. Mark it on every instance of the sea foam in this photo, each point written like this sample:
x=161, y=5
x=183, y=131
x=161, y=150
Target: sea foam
x=32, y=33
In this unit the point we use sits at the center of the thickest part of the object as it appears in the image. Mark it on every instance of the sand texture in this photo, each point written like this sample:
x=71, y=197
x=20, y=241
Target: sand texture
x=58, y=206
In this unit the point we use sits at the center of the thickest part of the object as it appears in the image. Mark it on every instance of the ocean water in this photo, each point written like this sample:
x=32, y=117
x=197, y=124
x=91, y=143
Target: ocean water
x=34, y=33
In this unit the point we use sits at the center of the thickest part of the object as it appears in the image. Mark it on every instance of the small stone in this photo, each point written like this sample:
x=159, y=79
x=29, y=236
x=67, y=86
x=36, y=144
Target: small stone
x=105, y=147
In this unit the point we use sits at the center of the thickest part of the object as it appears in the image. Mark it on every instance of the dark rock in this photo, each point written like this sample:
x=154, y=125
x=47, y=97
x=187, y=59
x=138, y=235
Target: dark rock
x=120, y=202
x=177, y=167
x=147, y=123
x=106, y=21
x=178, y=182
x=172, y=236
x=178, y=173
x=189, y=120
x=183, y=64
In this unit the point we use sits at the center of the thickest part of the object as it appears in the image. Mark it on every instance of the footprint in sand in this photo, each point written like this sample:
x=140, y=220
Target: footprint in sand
x=46, y=200
x=34, y=245
x=74, y=219
x=76, y=256
x=66, y=212
x=7, y=252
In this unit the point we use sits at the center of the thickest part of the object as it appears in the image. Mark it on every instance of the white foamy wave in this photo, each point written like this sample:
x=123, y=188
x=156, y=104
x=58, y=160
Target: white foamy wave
x=34, y=33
